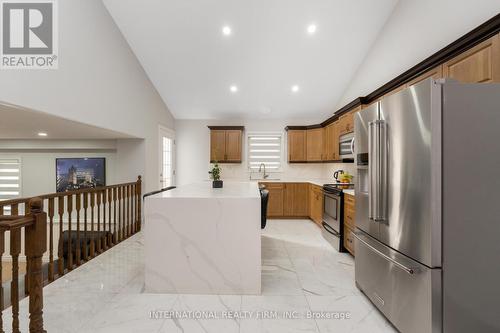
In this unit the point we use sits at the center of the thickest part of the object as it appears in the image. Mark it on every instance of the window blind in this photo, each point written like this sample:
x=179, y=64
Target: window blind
x=264, y=148
x=10, y=180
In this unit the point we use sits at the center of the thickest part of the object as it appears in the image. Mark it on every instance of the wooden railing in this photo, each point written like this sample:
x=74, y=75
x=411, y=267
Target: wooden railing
x=78, y=226
x=35, y=236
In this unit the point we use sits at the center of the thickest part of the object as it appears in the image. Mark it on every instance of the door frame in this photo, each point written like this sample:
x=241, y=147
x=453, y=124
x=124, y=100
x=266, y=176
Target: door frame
x=169, y=133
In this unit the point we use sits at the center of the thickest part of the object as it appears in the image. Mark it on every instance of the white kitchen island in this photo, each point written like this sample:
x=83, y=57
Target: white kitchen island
x=201, y=240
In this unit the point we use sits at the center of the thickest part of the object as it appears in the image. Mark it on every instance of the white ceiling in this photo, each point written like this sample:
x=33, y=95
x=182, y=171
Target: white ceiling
x=192, y=64
x=21, y=123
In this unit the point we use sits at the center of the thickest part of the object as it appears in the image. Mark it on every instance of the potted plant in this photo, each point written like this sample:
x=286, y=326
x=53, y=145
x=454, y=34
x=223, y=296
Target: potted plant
x=215, y=174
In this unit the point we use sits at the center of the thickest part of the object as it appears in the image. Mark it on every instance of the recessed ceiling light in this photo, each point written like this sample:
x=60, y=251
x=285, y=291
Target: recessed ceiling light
x=233, y=89
x=226, y=30
x=42, y=134
x=295, y=88
x=311, y=29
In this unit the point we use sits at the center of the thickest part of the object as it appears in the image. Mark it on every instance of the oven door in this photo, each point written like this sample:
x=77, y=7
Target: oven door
x=331, y=212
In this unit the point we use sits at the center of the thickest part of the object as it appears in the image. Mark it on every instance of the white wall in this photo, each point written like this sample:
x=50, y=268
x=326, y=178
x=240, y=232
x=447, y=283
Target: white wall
x=99, y=82
x=193, y=152
x=38, y=165
x=415, y=31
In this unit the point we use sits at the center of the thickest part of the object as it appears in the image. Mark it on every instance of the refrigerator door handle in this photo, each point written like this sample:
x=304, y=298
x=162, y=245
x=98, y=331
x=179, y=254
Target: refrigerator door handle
x=372, y=163
x=381, y=212
x=408, y=270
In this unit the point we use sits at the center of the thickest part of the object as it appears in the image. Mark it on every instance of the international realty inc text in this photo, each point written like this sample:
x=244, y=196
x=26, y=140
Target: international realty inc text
x=171, y=314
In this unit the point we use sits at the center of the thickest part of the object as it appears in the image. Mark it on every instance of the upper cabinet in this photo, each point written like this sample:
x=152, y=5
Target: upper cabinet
x=479, y=64
x=331, y=142
x=476, y=64
x=314, y=145
x=346, y=121
x=296, y=145
x=225, y=144
x=435, y=73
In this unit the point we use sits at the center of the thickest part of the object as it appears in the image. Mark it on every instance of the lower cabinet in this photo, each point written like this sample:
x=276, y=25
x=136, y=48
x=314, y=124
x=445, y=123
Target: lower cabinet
x=275, y=202
x=349, y=239
x=296, y=200
x=316, y=204
x=287, y=200
x=349, y=222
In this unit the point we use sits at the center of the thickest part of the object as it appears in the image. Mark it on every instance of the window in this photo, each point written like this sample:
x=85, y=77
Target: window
x=264, y=148
x=10, y=180
x=167, y=170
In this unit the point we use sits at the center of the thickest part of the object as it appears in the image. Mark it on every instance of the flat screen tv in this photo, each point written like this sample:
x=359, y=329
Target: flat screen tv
x=80, y=173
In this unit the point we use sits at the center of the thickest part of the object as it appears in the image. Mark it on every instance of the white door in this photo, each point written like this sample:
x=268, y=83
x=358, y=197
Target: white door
x=167, y=157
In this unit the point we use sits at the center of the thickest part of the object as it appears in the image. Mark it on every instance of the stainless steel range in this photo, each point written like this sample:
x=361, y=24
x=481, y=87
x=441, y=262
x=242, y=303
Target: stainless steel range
x=333, y=212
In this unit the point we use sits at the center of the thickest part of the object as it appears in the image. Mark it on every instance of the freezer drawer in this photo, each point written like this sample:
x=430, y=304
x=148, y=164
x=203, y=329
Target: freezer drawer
x=406, y=292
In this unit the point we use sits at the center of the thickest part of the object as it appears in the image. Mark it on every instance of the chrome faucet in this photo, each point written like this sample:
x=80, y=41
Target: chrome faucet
x=260, y=169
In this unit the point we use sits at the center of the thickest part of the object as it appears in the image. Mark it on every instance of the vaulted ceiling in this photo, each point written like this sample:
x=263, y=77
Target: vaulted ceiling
x=282, y=58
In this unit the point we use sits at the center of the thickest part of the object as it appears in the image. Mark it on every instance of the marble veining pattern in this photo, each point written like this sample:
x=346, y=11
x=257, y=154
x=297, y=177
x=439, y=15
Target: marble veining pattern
x=300, y=272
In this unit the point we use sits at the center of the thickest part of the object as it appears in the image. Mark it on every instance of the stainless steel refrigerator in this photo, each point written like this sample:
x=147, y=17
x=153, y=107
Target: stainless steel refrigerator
x=428, y=207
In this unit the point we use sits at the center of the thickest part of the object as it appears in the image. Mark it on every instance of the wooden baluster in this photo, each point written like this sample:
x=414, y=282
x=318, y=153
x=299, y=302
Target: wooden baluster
x=27, y=208
x=130, y=215
x=110, y=199
x=119, y=190
x=36, y=245
x=15, y=249
x=132, y=200
x=139, y=203
x=60, y=253
x=127, y=212
x=51, y=239
x=115, y=241
x=104, y=238
x=2, y=250
x=14, y=209
x=92, y=207
x=124, y=199
x=85, y=236
x=1, y=210
x=69, y=200
x=98, y=202
x=78, y=253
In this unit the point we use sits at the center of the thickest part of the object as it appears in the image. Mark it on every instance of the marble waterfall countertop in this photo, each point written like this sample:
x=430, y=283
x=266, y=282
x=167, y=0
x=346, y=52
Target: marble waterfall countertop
x=201, y=240
x=233, y=189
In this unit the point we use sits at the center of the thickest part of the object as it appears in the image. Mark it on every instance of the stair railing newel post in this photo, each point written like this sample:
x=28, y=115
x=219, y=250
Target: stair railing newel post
x=139, y=203
x=36, y=245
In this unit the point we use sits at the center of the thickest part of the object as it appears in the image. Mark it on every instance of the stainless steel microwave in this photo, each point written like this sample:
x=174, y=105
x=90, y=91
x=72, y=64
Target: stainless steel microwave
x=346, y=146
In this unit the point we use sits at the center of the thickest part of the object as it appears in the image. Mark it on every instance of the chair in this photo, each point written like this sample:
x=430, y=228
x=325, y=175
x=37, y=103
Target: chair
x=264, y=198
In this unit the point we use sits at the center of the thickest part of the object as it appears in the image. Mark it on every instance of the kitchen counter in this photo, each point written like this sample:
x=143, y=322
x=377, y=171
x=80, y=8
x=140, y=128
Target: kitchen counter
x=314, y=181
x=201, y=240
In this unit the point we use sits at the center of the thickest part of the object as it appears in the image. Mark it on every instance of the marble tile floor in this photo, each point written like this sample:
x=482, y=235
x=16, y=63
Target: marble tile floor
x=304, y=281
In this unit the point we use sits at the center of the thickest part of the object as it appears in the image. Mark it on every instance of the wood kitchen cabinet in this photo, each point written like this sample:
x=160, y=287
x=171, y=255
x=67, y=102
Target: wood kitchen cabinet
x=314, y=144
x=349, y=222
x=316, y=204
x=287, y=199
x=331, y=142
x=478, y=64
x=296, y=200
x=435, y=73
x=349, y=240
x=346, y=121
x=225, y=144
x=296, y=145
x=275, y=203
